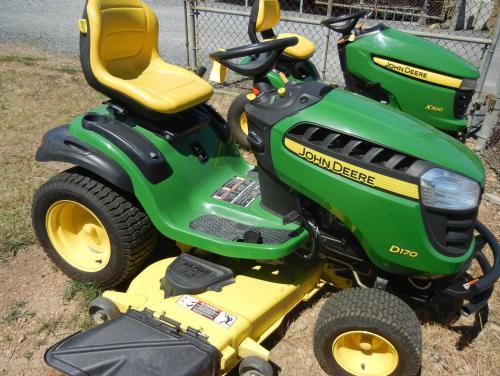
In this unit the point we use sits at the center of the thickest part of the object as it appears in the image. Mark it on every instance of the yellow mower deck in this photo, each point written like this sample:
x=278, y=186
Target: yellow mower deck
x=238, y=318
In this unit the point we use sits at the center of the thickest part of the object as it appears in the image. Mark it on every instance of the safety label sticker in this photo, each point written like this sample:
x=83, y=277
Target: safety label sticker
x=206, y=310
x=239, y=191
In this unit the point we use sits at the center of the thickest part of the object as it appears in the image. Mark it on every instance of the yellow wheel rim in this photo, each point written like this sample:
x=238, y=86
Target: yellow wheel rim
x=244, y=123
x=365, y=354
x=78, y=236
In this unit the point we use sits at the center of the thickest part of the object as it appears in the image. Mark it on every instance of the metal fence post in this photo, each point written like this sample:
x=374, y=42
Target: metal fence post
x=485, y=65
x=193, y=32
x=490, y=100
x=327, y=42
x=186, y=32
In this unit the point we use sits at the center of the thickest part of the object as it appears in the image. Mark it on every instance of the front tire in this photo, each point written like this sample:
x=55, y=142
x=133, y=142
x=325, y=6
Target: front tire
x=238, y=122
x=89, y=230
x=255, y=366
x=367, y=332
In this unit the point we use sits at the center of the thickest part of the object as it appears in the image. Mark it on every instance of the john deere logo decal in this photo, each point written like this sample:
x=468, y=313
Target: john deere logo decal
x=418, y=73
x=353, y=172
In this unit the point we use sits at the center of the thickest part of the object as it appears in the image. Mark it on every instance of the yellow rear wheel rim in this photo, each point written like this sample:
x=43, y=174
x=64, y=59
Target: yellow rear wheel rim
x=78, y=236
x=244, y=123
x=365, y=353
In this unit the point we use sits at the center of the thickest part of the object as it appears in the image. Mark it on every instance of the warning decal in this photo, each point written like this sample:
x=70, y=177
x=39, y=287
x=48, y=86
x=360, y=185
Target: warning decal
x=206, y=310
x=238, y=191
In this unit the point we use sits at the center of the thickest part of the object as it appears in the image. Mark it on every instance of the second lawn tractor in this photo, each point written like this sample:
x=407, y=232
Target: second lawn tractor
x=395, y=68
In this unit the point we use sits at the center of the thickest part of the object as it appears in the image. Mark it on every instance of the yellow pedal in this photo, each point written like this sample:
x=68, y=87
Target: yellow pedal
x=82, y=25
x=218, y=72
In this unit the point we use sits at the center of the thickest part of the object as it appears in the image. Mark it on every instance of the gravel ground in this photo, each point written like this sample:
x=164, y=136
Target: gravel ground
x=52, y=25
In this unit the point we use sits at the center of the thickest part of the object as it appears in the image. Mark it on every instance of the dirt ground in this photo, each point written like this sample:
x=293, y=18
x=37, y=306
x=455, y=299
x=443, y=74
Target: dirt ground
x=39, y=305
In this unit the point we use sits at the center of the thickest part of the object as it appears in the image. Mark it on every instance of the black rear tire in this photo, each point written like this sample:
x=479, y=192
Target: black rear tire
x=131, y=234
x=234, y=119
x=386, y=319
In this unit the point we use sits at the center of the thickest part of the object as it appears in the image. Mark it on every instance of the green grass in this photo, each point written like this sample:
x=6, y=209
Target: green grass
x=24, y=59
x=41, y=342
x=89, y=291
x=14, y=314
x=67, y=69
x=12, y=246
x=20, y=303
x=49, y=327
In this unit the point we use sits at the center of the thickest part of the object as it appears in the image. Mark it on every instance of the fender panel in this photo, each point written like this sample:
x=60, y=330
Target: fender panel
x=59, y=145
x=138, y=148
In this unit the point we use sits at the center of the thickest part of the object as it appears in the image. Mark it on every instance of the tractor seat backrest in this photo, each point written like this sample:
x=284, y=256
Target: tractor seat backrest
x=127, y=36
x=265, y=15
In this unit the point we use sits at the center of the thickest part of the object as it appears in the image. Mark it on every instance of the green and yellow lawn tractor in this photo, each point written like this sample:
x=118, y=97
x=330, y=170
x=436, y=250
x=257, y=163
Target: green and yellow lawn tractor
x=404, y=71
x=346, y=192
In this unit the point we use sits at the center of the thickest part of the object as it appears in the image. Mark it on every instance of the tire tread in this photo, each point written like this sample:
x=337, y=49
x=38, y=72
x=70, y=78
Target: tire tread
x=137, y=235
x=373, y=308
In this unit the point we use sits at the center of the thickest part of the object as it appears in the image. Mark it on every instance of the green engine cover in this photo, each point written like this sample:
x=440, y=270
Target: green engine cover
x=379, y=218
x=419, y=77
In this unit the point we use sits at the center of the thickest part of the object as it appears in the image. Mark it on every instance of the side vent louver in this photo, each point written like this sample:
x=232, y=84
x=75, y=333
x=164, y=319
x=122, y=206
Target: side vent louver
x=352, y=147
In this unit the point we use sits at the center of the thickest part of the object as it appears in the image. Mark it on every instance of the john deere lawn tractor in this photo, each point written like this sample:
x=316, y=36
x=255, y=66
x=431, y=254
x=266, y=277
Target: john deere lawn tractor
x=404, y=71
x=346, y=192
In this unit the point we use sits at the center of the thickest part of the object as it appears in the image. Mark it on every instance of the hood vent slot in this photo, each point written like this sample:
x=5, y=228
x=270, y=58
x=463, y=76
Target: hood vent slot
x=334, y=142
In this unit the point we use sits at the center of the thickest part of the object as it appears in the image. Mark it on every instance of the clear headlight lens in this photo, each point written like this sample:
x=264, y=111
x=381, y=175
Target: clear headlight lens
x=447, y=190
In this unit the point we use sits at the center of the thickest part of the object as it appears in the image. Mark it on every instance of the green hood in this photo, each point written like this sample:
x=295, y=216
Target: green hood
x=408, y=48
x=370, y=120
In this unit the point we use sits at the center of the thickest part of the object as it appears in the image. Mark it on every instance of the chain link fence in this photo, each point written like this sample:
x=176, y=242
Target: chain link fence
x=462, y=26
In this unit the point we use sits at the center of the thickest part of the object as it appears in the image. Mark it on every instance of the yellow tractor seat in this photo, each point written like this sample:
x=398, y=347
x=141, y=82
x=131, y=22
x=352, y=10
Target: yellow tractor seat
x=264, y=16
x=303, y=50
x=119, y=56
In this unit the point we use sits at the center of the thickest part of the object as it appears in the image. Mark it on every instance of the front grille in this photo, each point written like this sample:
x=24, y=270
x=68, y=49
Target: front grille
x=462, y=101
x=350, y=147
x=450, y=233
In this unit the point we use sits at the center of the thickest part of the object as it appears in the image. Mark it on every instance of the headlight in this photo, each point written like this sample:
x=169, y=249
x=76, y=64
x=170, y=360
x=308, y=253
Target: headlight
x=447, y=190
x=468, y=84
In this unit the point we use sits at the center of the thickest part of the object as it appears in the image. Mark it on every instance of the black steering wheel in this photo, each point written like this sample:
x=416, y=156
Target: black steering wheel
x=266, y=56
x=349, y=22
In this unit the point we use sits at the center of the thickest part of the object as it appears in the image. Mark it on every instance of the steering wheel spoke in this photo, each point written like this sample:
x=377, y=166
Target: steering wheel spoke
x=267, y=54
x=348, y=21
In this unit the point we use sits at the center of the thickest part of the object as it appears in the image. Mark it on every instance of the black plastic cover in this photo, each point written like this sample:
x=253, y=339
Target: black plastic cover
x=192, y=275
x=59, y=145
x=134, y=344
x=138, y=148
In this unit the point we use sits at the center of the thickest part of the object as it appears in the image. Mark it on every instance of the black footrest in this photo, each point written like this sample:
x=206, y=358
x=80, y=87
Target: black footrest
x=192, y=275
x=227, y=229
